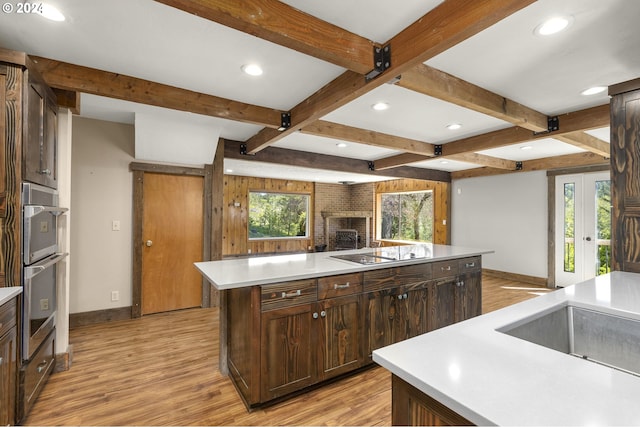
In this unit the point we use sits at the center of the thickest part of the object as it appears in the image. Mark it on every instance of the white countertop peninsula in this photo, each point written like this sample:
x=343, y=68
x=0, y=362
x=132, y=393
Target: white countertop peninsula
x=492, y=378
x=6, y=294
x=261, y=270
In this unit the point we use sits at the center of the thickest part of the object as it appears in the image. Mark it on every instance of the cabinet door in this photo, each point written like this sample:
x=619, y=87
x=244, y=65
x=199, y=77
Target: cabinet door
x=288, y=362
x=382, y=314
x=469, y=297
x=417, y=309
x=442, y=311
x=49, y=152
x=339, y=331
x=8, y=378
x=34, y=122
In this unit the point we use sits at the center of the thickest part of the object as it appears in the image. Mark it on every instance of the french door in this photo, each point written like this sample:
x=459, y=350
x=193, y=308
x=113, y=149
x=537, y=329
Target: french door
x=582, y=227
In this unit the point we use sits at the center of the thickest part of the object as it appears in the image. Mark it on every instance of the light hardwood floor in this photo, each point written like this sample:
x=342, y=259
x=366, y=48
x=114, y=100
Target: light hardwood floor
x=162, y=370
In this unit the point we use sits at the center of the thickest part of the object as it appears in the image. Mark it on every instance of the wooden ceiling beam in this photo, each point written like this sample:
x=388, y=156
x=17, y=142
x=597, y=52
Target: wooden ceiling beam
x=449, y=23
x=547, y=163
x=369, y=137
x=289, y=157
x=438, y=84
x=578, y=121
x=286, y=26
x=68, y=99
x=478, y=159
x=76, y=78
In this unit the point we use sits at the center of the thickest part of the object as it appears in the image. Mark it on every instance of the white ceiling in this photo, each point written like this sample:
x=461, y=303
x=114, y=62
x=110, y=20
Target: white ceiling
x=148, y=40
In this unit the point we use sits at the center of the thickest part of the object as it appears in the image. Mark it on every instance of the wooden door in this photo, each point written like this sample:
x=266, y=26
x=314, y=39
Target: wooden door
x=172, y=233
x=288, y=362
x=339, y=335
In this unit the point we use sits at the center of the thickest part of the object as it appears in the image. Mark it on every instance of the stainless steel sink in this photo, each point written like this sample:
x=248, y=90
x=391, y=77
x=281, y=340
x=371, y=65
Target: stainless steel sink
x=590, y=335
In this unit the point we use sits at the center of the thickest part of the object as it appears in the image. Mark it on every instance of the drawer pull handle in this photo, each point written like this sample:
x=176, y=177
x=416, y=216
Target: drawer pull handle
x=345, y=286
x=448, y=268
x=470, y=265
x=42, y=366
x=292, y=294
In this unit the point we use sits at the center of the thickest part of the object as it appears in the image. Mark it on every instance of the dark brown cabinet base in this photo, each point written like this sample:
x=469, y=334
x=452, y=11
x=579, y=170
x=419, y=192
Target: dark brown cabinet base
x=411, y=407
x=285, y=337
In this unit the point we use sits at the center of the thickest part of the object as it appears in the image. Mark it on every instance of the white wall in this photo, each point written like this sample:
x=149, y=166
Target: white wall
x=101, y=191
x=505, y=213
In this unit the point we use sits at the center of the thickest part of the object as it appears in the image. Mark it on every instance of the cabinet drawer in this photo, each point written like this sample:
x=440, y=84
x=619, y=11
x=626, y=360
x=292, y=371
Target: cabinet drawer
x=336, y=286
x=288, y=294
x=445, y=268
x=469, y=265
x=35, y=374
x=387, y=278
x=7, y=316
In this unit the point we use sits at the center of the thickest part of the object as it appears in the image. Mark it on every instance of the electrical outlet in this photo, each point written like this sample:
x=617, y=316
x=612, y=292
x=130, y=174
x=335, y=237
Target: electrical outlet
x=44, y=304
x=115, y=225
x=115, y=295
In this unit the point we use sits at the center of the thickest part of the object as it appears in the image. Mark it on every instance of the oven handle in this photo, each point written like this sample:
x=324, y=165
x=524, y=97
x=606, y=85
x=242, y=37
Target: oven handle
x=33, y=210
x=31, y=271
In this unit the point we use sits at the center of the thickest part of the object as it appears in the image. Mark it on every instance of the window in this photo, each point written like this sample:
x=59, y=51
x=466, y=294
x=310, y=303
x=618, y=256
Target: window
x=406, y=216
x=278, y=215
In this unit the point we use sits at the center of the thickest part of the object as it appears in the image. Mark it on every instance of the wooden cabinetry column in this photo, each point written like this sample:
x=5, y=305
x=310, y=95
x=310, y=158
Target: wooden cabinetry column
x=625, y=176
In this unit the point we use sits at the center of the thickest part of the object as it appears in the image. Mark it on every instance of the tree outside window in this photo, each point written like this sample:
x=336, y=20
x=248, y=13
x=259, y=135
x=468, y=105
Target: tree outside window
x=278, y=215
x=406, y=216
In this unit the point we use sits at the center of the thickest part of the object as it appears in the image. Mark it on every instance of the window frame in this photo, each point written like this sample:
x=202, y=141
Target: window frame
x=308, y=199
x=380, y=195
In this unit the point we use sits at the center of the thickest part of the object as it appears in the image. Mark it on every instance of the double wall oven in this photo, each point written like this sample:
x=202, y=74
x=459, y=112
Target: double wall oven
x=40, y=263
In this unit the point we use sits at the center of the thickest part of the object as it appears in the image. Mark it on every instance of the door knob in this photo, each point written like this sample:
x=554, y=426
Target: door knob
x=148, y=243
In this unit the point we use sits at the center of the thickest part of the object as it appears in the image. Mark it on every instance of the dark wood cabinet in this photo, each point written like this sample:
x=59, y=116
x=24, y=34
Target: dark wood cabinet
x=338, y=332
x=8, y=362
x=40, y=134
x=288, y=359
x=625, y=173
x=394, y=315
x=411, y=407
x=312, y=330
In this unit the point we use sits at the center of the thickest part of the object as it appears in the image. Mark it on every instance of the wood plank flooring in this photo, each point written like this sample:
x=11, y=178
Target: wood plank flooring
x=162, y=370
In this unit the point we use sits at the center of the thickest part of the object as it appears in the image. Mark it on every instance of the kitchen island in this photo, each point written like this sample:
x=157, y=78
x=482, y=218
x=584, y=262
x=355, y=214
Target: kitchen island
x=289, y=322
x=483, y=374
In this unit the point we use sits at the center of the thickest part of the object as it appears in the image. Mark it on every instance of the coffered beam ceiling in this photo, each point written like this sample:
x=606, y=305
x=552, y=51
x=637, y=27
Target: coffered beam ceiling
x=446, y=25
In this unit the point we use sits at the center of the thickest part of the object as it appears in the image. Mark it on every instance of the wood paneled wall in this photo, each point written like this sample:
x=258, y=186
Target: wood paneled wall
x=236, y=215
x=236, y=204
x=441, y=202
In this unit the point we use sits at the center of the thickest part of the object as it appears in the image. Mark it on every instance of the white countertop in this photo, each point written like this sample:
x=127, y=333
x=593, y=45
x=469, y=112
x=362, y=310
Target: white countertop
x=7, y=293
x=492, y=378
x=260, y=270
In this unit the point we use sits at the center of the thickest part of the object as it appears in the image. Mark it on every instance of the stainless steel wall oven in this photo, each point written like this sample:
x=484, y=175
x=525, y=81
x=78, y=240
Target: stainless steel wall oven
x=40, y=259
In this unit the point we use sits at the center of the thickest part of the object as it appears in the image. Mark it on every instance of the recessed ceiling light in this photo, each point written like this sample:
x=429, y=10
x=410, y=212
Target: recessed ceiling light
x=341, y=144
x=593, y=90
x=454, y=126
x=553, y=25
x=380, y=106
x=51, y=13
x=252, y=69
x=526, y=147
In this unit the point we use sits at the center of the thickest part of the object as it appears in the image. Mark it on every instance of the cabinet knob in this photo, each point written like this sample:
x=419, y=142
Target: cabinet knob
x=45, y=172
x=323, y=313
x=315, y=315
x=149, y=243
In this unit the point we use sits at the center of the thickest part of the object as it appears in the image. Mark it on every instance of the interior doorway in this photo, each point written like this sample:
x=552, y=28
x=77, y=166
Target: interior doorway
x=170, y=234
x=582, y=227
